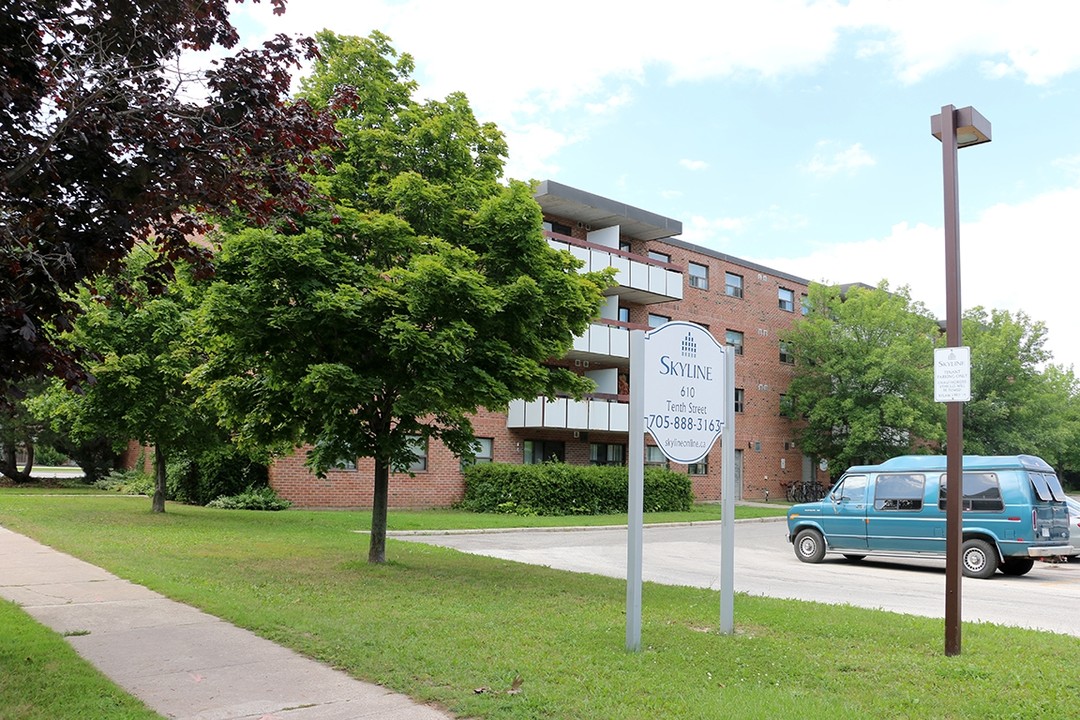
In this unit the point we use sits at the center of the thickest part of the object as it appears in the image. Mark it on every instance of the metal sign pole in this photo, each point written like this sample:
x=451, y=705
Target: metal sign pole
x=635, y=509
x=727, y=502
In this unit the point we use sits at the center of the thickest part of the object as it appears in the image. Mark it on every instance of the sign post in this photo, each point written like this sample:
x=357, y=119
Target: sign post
x=679, y=390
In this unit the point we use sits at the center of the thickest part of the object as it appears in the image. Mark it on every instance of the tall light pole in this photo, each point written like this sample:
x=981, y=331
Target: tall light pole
x=955, y=129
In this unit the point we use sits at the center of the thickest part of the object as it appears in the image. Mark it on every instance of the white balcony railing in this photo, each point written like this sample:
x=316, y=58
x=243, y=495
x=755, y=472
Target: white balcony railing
x=640, y=279
x=602, y=343
x=569, y=414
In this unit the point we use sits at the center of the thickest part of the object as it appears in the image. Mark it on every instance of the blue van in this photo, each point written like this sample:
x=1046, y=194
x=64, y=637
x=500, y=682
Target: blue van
x=1014, y=511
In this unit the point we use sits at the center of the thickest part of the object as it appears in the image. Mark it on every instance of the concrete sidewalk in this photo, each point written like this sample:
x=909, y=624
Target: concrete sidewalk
x=180, y=661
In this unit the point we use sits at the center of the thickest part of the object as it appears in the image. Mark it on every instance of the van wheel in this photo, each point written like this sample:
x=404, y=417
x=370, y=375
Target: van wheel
x=980, y=559
x=809, y=546
x=1017, y=566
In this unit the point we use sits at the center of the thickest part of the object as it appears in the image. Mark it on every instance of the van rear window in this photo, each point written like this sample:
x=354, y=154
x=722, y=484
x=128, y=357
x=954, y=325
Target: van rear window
x=982, y=493
x=1047, y=486
x=899, y=492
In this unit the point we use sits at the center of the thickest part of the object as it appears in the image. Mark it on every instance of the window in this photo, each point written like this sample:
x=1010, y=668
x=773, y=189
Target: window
x=624, y=314
x=349, y=465
x=483, y=447
x=981, y=493
x=733, y=285
x=804, y=304
x=740, y=400
x=419, y=447
x=734, y=338
x=607, y=454
x=699, y=276
x=662, y=257
x=850, y=489
x=787, y=299
x=787, y=407
x=699, y=468
x=899, y=491
x=558, y=228
x=786, y=355
x=654, y=455
x=656, y=321
x=541, y=451
x=625, y=246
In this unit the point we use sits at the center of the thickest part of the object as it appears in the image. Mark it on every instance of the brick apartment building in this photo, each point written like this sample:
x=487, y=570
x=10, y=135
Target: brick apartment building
x=660, y=278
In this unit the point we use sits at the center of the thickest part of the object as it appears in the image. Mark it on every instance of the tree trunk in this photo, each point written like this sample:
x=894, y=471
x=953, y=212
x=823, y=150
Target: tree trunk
x=9, y=469
x=158, y=503
x=380, y=499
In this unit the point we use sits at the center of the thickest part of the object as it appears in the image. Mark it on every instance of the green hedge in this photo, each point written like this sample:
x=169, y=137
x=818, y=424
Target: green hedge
x=561, y=489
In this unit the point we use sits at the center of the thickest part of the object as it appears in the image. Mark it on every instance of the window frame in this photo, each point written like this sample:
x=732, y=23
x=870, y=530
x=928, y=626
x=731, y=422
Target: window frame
x=700, y=280
x=787, y=304
x=607, y=460
x=740, y=347
x=968, y=502
x=664, y=318
x=420, y=461
x=786, y=356
x=894, y=502
x=557, y=446
x=735, y=291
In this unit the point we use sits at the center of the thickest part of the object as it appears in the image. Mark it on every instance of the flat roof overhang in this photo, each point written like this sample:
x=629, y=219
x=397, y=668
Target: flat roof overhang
x=599, y=212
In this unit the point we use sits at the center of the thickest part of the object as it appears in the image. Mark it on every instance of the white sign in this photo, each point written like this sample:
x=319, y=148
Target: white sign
x=684, y=390
x=952, y=374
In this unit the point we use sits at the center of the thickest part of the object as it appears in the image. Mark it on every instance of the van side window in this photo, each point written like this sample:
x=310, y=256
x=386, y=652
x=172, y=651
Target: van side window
x=899, y=491
x=982, y=493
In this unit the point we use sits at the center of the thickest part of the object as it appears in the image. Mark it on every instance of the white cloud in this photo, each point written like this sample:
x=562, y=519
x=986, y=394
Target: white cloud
x=1013, y=257
x=924, y=36
x=712, y=232
x=829, y=160
x=693, y=164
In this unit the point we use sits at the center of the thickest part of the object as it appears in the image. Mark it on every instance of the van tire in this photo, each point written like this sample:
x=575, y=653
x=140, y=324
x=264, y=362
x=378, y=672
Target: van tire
x=809, y=546
x=980, y=559
x=1017, y=566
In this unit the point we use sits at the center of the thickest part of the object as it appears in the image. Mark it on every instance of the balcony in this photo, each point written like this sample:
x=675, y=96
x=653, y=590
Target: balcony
x=606, y=342
x=596, y=412
x=640, y=279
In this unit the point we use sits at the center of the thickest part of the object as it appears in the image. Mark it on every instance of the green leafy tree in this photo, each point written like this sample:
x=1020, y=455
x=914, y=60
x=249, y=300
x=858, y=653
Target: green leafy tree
x=863, y=383
x=426, y=292
x=139, y=337
x=107, y=144
x=1018, y=403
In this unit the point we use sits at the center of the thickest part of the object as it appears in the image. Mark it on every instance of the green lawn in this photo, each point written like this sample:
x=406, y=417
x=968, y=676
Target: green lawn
x=458, y=630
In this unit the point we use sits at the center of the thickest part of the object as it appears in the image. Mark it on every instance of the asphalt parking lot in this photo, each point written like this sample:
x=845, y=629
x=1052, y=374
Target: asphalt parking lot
x=1044, y=599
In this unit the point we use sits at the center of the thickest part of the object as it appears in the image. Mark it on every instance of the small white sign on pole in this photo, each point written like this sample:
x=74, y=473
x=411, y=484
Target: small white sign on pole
x=952, y=374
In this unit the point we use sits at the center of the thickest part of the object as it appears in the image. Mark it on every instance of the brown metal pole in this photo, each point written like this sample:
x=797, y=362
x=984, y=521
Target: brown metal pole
x=954, y=422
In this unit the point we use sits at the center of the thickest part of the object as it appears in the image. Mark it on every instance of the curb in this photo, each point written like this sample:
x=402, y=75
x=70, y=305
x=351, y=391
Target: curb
x=567, y=528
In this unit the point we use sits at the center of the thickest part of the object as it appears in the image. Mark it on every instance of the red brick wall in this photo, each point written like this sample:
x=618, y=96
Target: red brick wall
x=765, y=438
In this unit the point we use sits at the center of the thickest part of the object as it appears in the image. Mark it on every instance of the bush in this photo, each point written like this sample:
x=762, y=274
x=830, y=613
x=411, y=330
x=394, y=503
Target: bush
x=127, y=482
x=561, y=489
x=197, y=479
x=251, y=499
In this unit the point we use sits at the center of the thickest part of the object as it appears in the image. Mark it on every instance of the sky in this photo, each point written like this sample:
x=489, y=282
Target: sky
x=791, y=133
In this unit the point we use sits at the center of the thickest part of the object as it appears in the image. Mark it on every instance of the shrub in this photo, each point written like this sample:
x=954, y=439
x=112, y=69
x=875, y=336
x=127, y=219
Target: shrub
x=251, y=499
x=561, y=489
x=198, y=478
x=127, y=482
